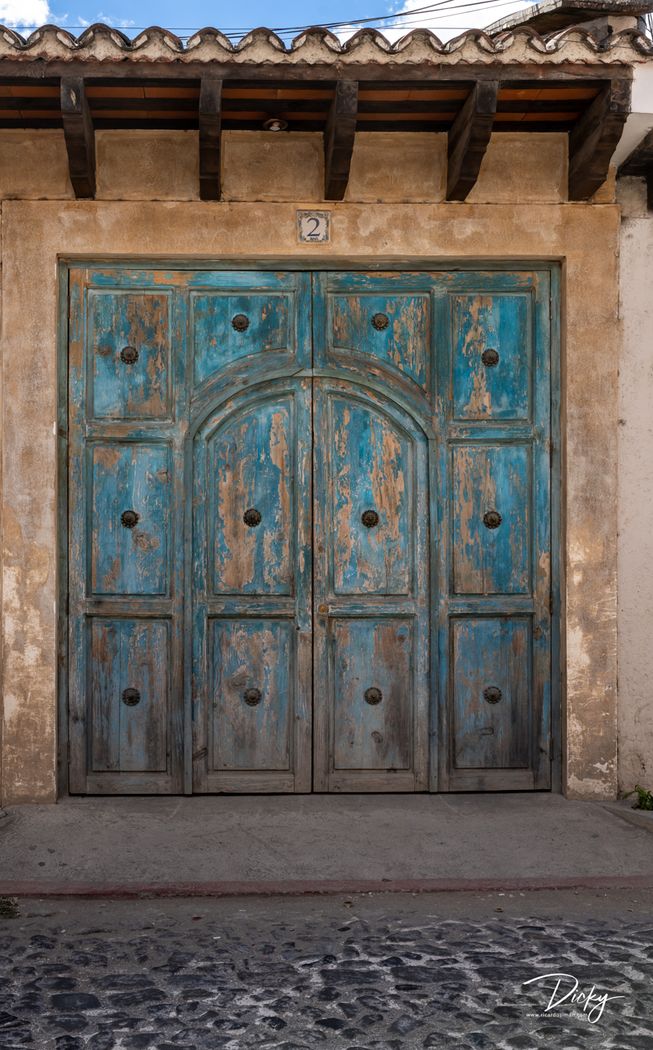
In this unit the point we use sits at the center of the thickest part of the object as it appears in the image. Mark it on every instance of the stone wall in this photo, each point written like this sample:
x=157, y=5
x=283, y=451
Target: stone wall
x=394, y=212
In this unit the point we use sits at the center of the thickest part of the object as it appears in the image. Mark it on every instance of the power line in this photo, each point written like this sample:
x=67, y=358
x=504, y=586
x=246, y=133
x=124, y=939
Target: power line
x=388, y=21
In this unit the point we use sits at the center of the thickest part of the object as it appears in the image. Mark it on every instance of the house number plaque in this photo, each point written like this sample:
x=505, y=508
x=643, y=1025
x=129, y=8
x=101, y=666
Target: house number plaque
x=314, y=226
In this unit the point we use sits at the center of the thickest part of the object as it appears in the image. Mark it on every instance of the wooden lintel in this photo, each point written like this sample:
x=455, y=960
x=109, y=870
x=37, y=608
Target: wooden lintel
x=469, y=137
x=594, y=137
x=79, y=136
x=339, y=137
x=210, y=137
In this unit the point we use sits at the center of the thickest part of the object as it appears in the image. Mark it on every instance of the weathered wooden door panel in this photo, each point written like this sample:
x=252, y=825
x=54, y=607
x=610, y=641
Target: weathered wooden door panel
x=494, y=504
x=251, y=613
x=492, y=356
x=130, y=347
x=392, y=328
x=247, y=324
x=378, y=326
x=129, y=721
x=371, y=587
x=372, y=470
x=491, y=549
x=490, y=673
x=251, y=679
x=251, y=477
x=230, y=327
x=130, y=518
x=372, y=708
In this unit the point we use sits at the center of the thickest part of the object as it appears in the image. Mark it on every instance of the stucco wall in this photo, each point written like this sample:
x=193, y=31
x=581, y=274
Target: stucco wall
x=636, y=491
x=260, y=166
x=530, y=226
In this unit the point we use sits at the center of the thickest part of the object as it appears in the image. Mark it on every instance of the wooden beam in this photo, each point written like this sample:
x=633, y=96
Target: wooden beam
x=210, y=137
x=79, y=135
x=468, y=138
x=339, y=137
x=594, y=137
x=639, y=164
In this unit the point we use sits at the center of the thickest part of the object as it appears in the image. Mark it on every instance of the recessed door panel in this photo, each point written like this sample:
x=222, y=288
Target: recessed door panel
x=491, y=507
x=130, y=515
x=491, y=681
x=129, y=350
x=252, y=687
x=128, y=702
x=492, y=356
x=371, y=482
x=373, y=694
x=229, y=327
x=391, y=327
x=251, y=471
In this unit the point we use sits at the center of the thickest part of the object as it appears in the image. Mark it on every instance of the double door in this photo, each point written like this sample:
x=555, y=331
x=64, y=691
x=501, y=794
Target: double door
x=308, y=531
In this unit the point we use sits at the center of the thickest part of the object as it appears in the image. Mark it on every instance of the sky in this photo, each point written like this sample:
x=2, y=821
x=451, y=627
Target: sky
x=447, y=18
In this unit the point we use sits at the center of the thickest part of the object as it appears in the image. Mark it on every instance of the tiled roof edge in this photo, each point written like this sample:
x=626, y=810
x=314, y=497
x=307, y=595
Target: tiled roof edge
x=101, y=43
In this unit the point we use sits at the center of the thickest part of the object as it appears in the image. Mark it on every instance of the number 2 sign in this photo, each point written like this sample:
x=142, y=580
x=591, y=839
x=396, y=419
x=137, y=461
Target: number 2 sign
x=313, y=226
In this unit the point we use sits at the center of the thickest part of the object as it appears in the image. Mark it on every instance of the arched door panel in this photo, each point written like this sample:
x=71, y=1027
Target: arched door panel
x=371, y=586
x=251, y=594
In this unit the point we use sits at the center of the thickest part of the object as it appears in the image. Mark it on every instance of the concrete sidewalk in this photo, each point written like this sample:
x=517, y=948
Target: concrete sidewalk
x=316, y=843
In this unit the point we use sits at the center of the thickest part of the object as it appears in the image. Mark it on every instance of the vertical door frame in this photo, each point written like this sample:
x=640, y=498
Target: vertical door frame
x=312, y=264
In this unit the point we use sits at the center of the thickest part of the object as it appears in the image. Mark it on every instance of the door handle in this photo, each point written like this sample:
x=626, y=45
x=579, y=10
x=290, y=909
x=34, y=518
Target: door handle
x=323, y=609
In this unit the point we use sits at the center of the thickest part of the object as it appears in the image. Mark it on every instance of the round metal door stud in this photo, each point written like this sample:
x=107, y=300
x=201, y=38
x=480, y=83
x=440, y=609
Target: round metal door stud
x=240, y=322
x=373, y=695
x=492, y=519
x=129, y=355
x=252, y=517
x=490, y=357
x=130, y=697
x=129, y=518
x=380, y=322
x=252, y=697
x=492, y=694
x=369, y=518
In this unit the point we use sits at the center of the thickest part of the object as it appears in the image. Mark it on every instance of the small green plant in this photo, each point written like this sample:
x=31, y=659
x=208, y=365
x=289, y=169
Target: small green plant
x=644, y=797
x=8, y=908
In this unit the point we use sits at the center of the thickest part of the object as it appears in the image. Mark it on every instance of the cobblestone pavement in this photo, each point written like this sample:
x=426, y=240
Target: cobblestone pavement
x=384, y=973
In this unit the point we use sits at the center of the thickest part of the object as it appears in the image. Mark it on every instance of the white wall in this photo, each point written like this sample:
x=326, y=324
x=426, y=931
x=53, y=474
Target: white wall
x=635, y=545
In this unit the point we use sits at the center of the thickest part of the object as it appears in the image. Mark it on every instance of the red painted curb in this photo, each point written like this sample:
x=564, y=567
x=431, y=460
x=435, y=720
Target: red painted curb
x=298, y=887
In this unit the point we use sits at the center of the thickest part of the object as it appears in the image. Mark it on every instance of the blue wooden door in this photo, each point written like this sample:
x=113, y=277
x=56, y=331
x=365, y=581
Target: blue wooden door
x=310, y=531
x=249, y=612
x=494, y=508
x=126, y=410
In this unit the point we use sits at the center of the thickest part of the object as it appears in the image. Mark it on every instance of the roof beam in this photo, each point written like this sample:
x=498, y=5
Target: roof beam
x=468, y=139
x=79, y=135
x=210, y=137
x=339, y=137
x=594, y=138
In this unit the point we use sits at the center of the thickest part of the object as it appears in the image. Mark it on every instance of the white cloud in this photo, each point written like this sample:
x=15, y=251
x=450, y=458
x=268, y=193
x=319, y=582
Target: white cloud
x=107, y=20
x=24, y=12
x=447, y=21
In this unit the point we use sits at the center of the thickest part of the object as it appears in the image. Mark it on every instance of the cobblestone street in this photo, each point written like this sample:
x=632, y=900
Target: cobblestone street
x=388, y=971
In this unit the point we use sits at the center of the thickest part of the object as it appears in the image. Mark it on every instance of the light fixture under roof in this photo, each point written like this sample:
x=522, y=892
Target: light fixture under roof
x=275, y=124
